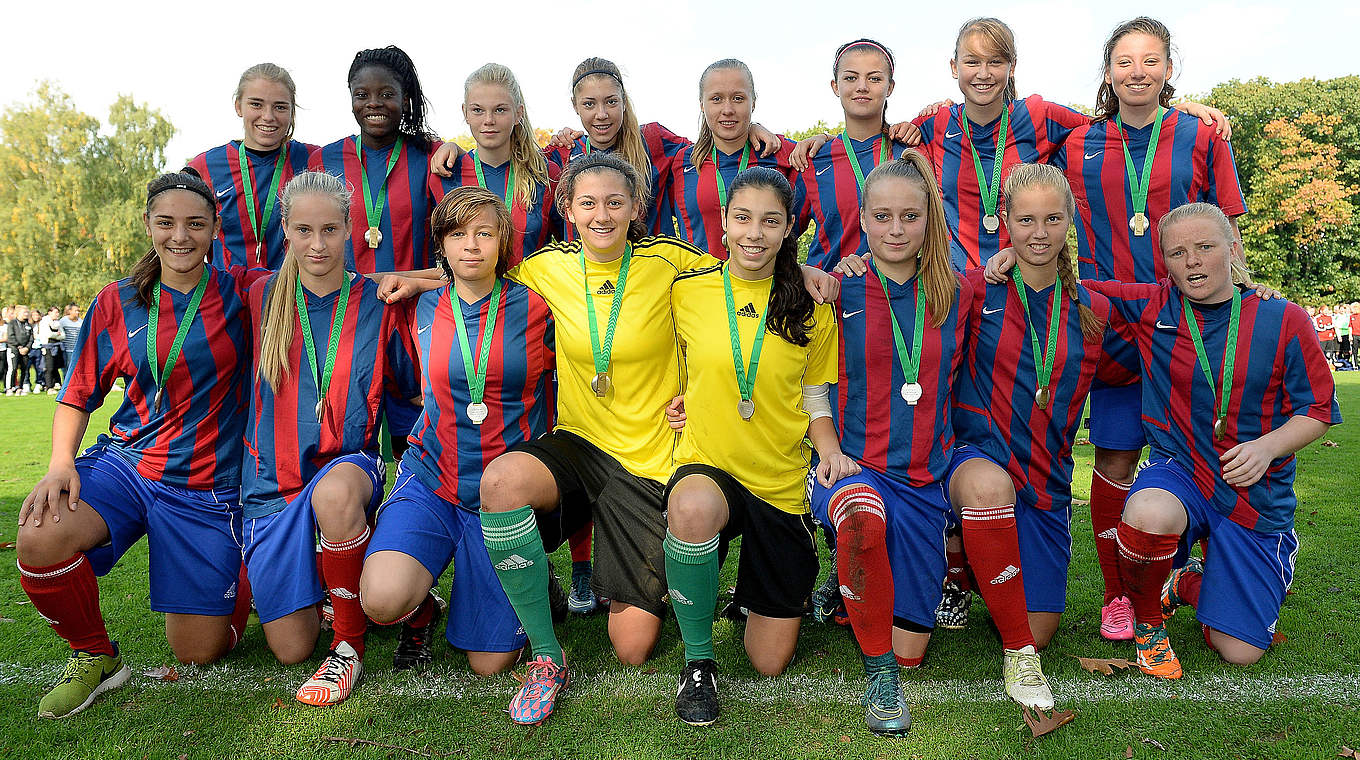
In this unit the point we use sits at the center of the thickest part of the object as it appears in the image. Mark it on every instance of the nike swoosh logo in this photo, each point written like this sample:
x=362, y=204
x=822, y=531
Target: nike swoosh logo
x=1161, y=326
x=421, y=331
x=1090, y=156
x=849, y=314
x=822, y=170
x=224, y=192
x=951, y=135
x=987, y=311
x=132, y=334
x=689, y=168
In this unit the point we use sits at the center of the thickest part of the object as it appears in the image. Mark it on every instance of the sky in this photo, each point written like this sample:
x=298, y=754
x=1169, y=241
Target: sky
x=184, y=58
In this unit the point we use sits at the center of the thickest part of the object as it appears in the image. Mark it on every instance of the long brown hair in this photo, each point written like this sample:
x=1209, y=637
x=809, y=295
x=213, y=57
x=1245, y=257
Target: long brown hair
x=270, y=72
x=531, y=169
x=146, y=273
x=606, y=162
x=457, y=209
x=1107, y=103
x=279, y=322
x=864, y=43
x=1024, y=177
x=704, y=145
x=997, y=38
x=789, y=314
x=629, y=143
x=938, y=280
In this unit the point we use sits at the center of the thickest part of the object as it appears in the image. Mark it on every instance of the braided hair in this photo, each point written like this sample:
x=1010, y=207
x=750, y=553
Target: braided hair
x=413, y=110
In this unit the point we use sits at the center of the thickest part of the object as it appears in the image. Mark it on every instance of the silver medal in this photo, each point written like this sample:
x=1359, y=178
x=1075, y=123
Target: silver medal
x=476, y=412
x=746, y=407
x=991, y=223
x=320, y=406
x=911, y=393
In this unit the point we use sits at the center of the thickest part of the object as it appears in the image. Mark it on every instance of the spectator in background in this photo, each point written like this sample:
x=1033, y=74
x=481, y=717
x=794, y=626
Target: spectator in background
x=19, y=338
x=49, y=339
x=70, y=328
x=1355, y=335
x=1326, y=333
x=6, y=314
x=35, y=355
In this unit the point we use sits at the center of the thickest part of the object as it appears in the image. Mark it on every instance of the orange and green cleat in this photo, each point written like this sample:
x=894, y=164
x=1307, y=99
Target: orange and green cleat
x=1155, y=656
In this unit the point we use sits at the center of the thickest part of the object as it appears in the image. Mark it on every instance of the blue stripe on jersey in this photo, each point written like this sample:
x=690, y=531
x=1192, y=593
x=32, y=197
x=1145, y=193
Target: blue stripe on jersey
x=830, y=197
x=693, y=192
x=534, y=226
x=220, y=167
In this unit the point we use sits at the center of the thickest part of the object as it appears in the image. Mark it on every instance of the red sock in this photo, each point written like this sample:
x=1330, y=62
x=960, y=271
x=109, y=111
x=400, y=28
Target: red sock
x=580, y=543
x=1144, y=562
x=909, y=662
x=958, y=569
x=344, y=563
x=1187, y=588
x=420, y=616
x=66, y=595
x=1107, y=505
x=240, y=614
x=862, y=564
x=993, y=547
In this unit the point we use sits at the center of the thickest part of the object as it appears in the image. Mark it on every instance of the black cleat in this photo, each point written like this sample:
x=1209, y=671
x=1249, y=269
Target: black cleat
x=414, y=644
x=696, y=702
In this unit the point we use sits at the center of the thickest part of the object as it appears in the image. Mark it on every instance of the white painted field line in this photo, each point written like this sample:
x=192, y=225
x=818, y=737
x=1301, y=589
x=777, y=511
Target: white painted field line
x=446, y=683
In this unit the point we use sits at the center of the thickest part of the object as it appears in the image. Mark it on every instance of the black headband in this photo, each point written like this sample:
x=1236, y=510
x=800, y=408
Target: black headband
x=593, y=72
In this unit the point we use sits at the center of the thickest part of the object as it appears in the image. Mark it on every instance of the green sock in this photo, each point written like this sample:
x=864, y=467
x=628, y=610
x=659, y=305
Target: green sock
x=692, y=573
x=517, y=555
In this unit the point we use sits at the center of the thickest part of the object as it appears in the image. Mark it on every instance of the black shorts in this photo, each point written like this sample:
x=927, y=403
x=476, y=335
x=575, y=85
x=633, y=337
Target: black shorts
x=777, y=566
x=630, y=564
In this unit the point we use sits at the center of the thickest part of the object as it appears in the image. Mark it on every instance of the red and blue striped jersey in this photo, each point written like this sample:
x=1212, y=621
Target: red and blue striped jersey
x=194, y=441
x=662, y=147
x=1036, y=128
x=220, y=167
x=285, y=445
x=534, y=226
x=1279, y=371
x=405, y=224
x=448, y=452
x=829, y=195
x=693, y=192
x=911, y=444
x=1192, y=164
x=994, y=400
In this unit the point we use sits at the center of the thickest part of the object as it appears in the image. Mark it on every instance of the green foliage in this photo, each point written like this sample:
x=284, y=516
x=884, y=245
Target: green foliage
x=816, y=129
x=71, y=195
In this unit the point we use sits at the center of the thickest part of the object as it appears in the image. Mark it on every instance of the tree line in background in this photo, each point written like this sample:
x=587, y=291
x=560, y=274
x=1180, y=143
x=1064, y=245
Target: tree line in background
x=72, y=189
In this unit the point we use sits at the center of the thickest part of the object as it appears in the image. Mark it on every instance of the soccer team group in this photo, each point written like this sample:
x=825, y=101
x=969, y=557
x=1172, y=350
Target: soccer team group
x=545, y=324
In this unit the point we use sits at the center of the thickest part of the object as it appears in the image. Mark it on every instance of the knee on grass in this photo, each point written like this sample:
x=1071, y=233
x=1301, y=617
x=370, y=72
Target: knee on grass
x=1233, y=650
x=491, y=663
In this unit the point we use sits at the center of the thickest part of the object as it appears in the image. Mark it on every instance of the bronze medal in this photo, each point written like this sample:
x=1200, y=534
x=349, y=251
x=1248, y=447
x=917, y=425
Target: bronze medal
x=373, y=237
x=600, y=384
x=1041, y=397
x=1139, y=224
x=1220, y=428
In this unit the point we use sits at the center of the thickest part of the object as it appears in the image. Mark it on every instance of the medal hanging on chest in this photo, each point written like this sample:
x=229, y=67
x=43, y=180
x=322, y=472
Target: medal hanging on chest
x=1222, y=390
x=475, y=370
x=158, y=375
x=373, y=208
x=599, y=385
x=746, y=373
x=990, y=191
x=259, y=226
x=910, y=363
x=1043, y=360
x=1139, y=186
x=322, y=381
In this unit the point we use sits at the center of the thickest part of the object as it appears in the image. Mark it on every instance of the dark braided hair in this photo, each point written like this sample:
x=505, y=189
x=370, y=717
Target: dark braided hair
x=147, y=271
x=396, y=61
x=789, y=314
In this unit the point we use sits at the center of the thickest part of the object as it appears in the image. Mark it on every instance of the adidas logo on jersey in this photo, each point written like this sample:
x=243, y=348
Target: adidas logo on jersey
x=1110, y=534
x=679, y=598
x=344, y=593
x=1010, y=572
x=607, y=289
x=848, y=594
x=514, y=562
x=231, y=592
x=749, y=310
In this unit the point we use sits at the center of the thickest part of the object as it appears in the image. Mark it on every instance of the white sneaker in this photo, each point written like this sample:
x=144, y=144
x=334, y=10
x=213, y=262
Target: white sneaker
x=331, y=684
x=1025, y=682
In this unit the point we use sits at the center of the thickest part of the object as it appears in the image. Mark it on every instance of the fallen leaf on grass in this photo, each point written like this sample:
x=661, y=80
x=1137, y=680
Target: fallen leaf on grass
x=1331, y=444
x=278, y=702
x=1104, y=666
x=1278, y=638
x=162, y=673
x=190, y=732
x=846, y=739
x=1347, y=752
x=1128, y=752
x=7, y=545
x=1081, y=503
x=1041, y=723
x=1155, y=743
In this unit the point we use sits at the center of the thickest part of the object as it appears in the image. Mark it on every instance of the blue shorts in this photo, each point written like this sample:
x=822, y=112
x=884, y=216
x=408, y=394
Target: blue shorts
x=1117, y=417
x=1246, y=573
x=281, y=547
x=916, y=525
x=420, y=524
x=194, y=536
x=1045, y=542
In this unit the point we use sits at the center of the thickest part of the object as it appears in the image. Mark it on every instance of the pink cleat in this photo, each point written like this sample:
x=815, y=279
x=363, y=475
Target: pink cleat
x=1116, y=619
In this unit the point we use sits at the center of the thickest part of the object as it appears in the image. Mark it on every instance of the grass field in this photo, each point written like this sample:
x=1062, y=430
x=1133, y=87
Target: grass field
x=1300, y=701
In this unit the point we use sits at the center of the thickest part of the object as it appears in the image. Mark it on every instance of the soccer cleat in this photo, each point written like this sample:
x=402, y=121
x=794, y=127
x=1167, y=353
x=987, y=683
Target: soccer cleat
x=537, y=695
x=582, y=599
x=557, y=600
x=1155, y=656
x=1170, y=600
x=952, y=613
x=86, y=676
x=1025, y=682
x=734, y=612
x=885, y=706
x=696, y=701
x=826, y=598
x=331, y=683
x=414, y=644
x=1116, y=619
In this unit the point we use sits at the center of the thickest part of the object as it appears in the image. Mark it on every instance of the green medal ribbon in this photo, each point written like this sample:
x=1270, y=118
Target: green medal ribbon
x=509, y=181
x=373, y=209
x=884, y=154
x=991, y=192
x=337, y=325
x=717, y=171
x=910, y=363
x=601, y=382
x=1043, y=361
x=476, y=378
x=153, y=319
x=1229, y=358
x=1139, y=187
x=258, y=226
x=746, y=375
